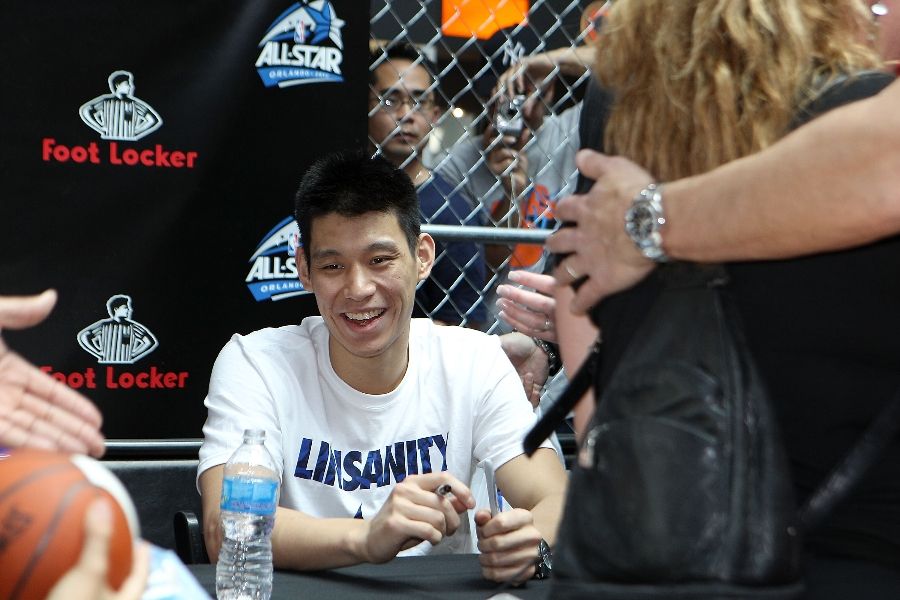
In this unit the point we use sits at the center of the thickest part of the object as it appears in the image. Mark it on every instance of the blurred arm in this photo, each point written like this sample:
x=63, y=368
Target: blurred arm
x=832, y=184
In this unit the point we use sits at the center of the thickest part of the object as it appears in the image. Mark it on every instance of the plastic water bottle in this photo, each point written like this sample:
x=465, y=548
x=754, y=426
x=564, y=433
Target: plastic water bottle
x=249, y=498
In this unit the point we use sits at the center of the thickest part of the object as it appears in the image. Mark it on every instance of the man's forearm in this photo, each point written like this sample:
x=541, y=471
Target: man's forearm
x=304, y=543
x=573, y=60
x=538, y=484
x=299, y=541
x=547, y=514
x=832, y=184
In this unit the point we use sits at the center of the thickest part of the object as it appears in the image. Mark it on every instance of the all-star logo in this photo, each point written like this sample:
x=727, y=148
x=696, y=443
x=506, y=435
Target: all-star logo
x=273, y=266
x=303, y=45
x=119, y=340
x=119, y=116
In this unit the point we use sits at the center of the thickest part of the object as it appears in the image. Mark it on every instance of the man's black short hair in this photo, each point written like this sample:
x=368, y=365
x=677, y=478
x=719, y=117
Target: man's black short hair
x=400, y=51
x=350, y=184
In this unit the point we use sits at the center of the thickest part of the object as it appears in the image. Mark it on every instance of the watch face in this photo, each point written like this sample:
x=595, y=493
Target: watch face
x=640, y=221
x=643, y=222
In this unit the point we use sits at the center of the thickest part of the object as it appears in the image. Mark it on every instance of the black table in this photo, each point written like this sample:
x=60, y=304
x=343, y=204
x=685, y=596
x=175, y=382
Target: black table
x=456, y=577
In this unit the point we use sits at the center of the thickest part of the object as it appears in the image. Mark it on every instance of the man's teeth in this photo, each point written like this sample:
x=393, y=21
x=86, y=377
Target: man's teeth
x=363, y=316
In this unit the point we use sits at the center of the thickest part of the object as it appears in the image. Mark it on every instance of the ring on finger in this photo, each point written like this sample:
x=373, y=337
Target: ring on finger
x=547, y=324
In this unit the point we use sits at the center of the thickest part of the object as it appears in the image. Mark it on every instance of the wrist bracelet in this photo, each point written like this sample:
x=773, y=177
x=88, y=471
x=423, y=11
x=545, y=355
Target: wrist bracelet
x=553, y=362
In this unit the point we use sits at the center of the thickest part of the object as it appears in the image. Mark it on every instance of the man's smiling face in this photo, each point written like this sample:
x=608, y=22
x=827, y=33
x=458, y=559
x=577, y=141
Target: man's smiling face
x=364, y=277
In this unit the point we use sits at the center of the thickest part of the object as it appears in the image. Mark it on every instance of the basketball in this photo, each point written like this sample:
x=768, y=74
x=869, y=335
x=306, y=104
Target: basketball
x=43, y=500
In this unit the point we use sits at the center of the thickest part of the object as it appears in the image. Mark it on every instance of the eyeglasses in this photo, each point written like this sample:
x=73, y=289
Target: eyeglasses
x=392, y=100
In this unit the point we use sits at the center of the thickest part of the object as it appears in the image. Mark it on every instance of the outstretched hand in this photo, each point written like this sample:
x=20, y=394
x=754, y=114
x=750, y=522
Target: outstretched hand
x=529, y=311
x=598, y=247
x=36, y=410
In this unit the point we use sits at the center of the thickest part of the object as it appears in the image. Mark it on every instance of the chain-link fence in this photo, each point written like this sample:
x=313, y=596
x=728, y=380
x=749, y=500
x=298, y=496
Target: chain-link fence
x=500, y=151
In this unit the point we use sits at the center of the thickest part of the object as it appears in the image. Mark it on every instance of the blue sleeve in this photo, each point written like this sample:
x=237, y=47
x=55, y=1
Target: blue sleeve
x=460, y=270
x=458, y=276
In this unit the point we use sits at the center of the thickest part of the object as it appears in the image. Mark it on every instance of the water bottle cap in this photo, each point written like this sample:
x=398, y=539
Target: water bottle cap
x=254, y=435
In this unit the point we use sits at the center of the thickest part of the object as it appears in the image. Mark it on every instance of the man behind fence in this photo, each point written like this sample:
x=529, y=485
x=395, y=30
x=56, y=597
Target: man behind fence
x=402, y=111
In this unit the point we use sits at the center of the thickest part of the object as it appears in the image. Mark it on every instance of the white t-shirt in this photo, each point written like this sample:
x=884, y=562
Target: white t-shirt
x=341, y=450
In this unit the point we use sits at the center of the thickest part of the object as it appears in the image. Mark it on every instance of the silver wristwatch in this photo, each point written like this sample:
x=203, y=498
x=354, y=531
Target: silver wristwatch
x=643, y=222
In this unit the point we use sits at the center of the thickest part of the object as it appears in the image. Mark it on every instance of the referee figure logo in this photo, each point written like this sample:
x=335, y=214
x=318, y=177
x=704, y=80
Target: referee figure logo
x=120, y=115
x=119, y=339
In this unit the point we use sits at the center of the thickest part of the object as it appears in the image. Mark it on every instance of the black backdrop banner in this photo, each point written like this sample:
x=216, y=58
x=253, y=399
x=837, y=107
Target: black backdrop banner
x=148, y=157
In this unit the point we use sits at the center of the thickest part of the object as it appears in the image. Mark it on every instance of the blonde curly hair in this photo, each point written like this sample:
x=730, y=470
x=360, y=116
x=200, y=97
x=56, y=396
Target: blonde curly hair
x=701, y=82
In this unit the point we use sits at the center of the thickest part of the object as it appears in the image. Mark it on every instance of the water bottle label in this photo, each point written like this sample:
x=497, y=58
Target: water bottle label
x=249, y=495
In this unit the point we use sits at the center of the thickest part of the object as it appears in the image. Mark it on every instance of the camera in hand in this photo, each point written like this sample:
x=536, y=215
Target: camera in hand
x=509, y=120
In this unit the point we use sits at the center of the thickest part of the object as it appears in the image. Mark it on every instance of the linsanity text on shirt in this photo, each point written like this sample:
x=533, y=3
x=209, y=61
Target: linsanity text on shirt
x=361, y=469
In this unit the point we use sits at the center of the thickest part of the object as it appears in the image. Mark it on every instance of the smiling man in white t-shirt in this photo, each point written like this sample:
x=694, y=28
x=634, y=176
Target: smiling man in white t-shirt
x=368, y=410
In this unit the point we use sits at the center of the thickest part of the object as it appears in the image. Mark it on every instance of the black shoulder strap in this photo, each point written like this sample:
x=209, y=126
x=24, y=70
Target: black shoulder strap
x=595, y=110
x=842, y=90
x=577, y=387
x=847, y=474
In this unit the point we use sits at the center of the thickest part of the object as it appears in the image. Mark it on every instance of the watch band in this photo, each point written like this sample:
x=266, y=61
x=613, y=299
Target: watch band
x=553, y=362
x=544, y=563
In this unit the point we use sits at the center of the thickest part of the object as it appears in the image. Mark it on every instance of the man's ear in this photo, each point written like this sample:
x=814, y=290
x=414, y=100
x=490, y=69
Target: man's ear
x=303, y=269
x=424, y=256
